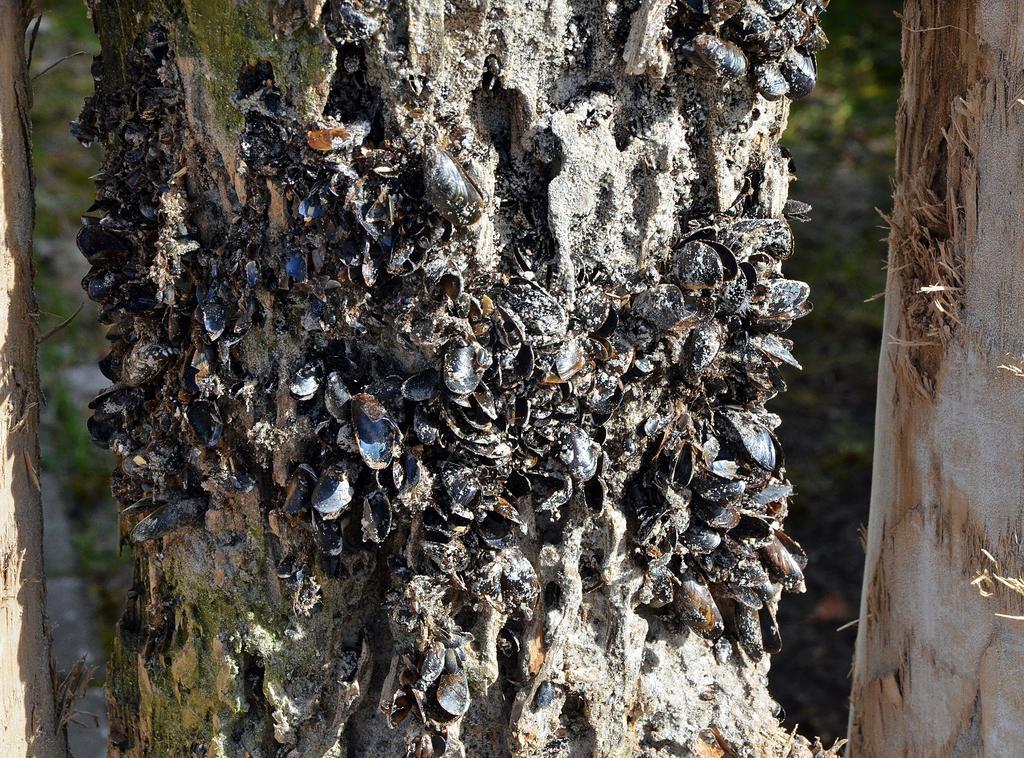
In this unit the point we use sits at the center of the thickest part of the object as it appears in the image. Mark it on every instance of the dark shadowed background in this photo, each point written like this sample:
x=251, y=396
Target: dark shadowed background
x=842, y=142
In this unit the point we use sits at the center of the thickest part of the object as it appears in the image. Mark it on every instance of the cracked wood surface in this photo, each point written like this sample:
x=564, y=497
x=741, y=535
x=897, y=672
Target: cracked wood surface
x=936, y=672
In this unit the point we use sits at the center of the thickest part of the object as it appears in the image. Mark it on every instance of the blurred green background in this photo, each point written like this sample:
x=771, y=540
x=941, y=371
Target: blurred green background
x=842, y=141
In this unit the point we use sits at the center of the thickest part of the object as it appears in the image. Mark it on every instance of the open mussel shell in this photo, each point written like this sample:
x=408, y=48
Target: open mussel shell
x=377, y=517
x=756, y=442
x=402, y=704
x=776, y=348
x=791, y=545
x=168, y=518
x=495, y=530
x=336, y=396
x=305, y=383
x=595, y=491
x=376, y=433
x=697, y=607
x=453, y=693
x=199, y=370
x=784, y=562
x=332, y=495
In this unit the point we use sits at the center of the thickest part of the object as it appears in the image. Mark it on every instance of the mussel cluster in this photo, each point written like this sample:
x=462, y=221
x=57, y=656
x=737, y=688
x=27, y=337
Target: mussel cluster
x=329, y=342
x=771, y=41
x=135, y=280
x=712, y=499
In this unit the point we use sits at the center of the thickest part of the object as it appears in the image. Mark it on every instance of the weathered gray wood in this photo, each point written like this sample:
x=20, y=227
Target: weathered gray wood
x=936, y=671
x=28, y=717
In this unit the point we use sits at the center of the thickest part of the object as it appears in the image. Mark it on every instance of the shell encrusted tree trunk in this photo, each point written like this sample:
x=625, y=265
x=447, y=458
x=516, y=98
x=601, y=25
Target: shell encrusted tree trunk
x=936, y=671
x=29, y=722
x=442, y=334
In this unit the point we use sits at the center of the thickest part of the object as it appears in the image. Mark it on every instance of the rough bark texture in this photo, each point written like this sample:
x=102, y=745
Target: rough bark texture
x=936, y=672
x=433, y=253
x=28, y=715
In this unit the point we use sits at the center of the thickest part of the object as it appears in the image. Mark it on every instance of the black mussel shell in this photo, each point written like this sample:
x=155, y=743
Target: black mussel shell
x=305, y=383
x=336, y=396
x=376, y=434
x=701, y=539
x=723, y=57
x=453, y=693
x=431, y=666
x=99, y=245
x=697, y=265
x=450, y=189
x=332, y=495
x=205, y=422
x=421, y=387
x=755, y=441
x=297, y=492
x=697, y=608
x=462, y=369
x=168, y=518
x=747, y=626
x=377, y=517
x=800, y=72
x=579, y=453
x=545, y=695
x=461, y=485
x=770, y=82
x=667, y=308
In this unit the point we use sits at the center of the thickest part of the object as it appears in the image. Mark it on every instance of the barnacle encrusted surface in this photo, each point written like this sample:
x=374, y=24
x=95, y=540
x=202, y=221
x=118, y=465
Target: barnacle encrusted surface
x=439, y=375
